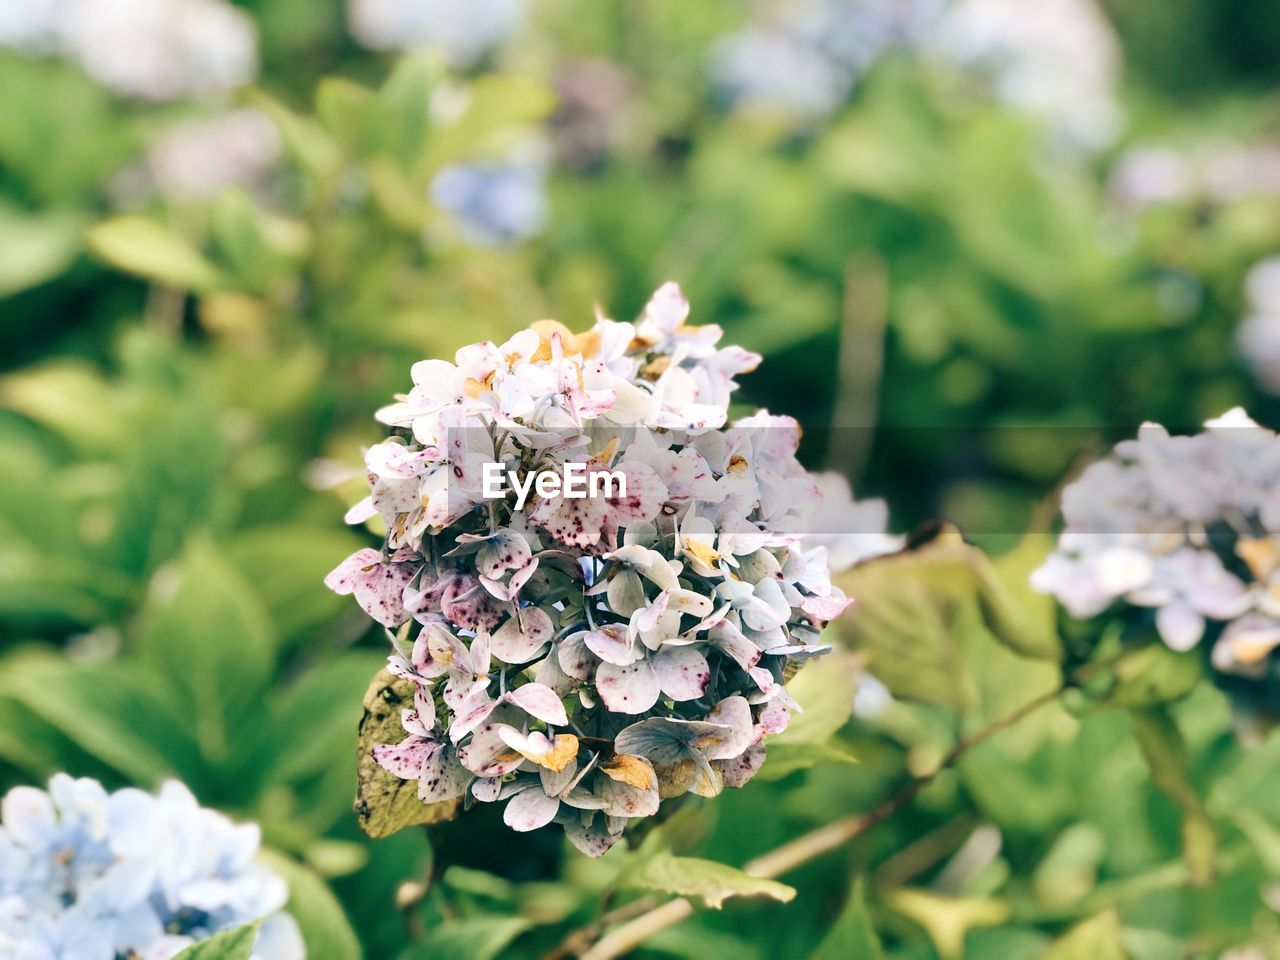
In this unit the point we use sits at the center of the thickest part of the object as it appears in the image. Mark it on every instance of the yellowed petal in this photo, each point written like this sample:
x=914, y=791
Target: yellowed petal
x=587, y=344
x=1262, y=555
x=1251, y=648
x=562, y=751
x=473, y=387
x=656, y=367
x=633, y=771
x=703, y=552
x=676, y=778
x=605, y=456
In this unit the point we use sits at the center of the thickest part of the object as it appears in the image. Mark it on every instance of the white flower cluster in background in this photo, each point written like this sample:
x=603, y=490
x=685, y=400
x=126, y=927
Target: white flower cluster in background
x=1186, y=527
x=148, y=49
x=1057, y=59
x=1060, y=62
x=803, y=57
x=198, y=157
x=582, y=659
x=851, y=530
x=1149, y=175
x=1258, y=336
x=463, y=32
x=91, y=875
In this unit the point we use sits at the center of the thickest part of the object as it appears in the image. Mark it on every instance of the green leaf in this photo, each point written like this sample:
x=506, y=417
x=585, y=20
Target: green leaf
x=926, y=615
x=384, y=802
x=704, y=880
x=238, y=237
x=948, y=919
x=890, y=148
x=853, y=934
x=498, y=102
x=234, y=944
x=113, y=711
x=143, y=247
x=172, y=469
x=303, y=137
x=1264, y=838
x=475, y=938
x=785, y=758
x=342, y=108
x=323, y=702
x=37, y=247
x=1152, y=675
x=58, y=393
x=31, y=745
x=61, y=134
x=210, y=635
x=1166, y=754
x=286, y=564
x=692, y=942
x=1069, y=870
x=1097, y=938
x=320, y=917
x=404, y=107
x=40, y=590
x=825, y=689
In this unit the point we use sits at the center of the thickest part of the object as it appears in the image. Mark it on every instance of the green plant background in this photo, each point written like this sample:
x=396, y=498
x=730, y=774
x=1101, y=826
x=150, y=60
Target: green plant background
x=952, y=311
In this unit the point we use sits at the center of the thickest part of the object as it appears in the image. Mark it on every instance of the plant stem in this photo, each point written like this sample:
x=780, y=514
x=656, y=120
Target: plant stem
x=808, y=847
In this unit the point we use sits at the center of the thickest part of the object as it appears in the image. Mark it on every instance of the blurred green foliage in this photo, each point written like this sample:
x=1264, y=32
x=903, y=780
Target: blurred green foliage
x=952, y=310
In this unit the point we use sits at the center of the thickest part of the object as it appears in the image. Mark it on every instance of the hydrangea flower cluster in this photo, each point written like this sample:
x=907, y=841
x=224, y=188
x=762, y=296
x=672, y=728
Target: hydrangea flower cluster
x=494, y=202
x=1258, y=336
x=1213, y=172
x=804, y=58
x=199, y=157
x=91, y=875
x=582, y=659
x=463, y=32
x=1187, y=527
x=1062, y=65
x=149, y=49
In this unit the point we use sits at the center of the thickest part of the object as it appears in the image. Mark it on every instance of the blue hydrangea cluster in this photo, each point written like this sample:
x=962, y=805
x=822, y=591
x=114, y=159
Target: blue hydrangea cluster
x=91, y=875
x=494, y=203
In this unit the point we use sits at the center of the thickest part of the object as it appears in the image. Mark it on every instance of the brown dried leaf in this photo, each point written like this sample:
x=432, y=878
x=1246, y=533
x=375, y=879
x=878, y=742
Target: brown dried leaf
x=385, y=803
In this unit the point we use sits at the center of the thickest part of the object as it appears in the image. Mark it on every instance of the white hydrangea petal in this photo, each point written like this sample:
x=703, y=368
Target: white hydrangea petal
x=29, y=815
x=540, y=702
x=1180, y=626
x=529, y=810
x=280, y=939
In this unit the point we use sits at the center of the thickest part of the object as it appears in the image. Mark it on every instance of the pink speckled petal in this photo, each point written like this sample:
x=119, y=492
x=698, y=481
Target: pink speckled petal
x=407, y=758
x=529, y=810
x=443, y=778
x=342, y=580
x=633, y=688
x=682, y=672
x=539, y=701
